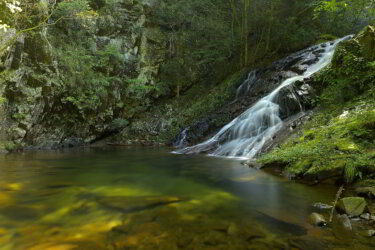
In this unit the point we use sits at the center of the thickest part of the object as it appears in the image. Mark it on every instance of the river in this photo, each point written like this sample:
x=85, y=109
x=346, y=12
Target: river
x=148, y=198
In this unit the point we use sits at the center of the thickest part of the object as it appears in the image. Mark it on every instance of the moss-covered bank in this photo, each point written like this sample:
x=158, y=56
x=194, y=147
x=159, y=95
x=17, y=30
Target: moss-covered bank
x=338, y=143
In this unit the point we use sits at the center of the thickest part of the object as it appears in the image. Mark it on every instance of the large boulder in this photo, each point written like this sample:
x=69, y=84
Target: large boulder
x=366, y=40
x=352, y=206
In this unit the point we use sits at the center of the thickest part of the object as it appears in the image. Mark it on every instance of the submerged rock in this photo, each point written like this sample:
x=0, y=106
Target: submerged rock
x=342, y=228
x=322, y=205
x=370, y=233
x=345, y=222
x=317, y=220
x=135, y=204
x=352, y=206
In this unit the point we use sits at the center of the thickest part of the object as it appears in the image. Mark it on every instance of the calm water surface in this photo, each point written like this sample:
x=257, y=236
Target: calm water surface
x=145, y=198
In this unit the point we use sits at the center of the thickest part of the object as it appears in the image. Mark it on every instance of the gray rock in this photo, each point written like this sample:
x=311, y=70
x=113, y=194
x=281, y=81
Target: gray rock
x=345, y=222
x=365, y=216
x=370, y=233
x=318, y=220
x=253, y=164
x=321, y=205
x=72, y=142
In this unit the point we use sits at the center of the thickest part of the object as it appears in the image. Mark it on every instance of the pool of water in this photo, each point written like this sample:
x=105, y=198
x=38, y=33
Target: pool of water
x=148, y=198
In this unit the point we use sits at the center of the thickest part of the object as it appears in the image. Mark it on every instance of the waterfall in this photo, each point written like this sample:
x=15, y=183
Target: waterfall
x=245, y=87
x=245, y=136
x=181, y=139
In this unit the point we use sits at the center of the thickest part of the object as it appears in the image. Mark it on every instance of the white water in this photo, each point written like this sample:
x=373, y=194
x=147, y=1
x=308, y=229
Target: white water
x=247, y=84
x=245, y=136
x=181, y=138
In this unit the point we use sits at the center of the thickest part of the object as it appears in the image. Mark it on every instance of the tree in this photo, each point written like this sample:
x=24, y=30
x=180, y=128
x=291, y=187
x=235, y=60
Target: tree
x=8, y=9
x=345, y=15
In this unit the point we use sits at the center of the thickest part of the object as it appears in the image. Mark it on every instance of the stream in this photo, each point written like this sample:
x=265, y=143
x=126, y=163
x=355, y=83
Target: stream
x=147, y=198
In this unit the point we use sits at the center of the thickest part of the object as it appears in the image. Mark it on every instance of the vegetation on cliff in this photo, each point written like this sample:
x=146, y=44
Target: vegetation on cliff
x=340, y=138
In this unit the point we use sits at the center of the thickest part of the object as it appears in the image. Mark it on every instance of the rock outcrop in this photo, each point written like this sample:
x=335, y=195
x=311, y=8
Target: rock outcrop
x=91, y=76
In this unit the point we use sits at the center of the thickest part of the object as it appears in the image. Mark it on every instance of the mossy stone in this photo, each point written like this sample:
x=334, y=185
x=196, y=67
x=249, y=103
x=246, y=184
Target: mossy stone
x=352, y=206
x=367, y=41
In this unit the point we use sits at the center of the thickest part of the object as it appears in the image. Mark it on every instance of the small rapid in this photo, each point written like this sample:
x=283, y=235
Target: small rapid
x=246, y=135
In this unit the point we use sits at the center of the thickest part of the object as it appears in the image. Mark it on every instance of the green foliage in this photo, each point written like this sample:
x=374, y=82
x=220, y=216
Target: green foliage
x=138, y=90
x=12, y=146
x=71, y=9
x=88, y=77
x=2, y=100
x=349, y=76
x=344, y=16
x=198, y=29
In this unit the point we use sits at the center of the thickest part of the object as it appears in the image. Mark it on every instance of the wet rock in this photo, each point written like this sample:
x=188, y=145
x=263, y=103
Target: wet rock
x=352, y=206
x=321, y=205
x=253, y=164
x=365, y=216
x=317, y=220
x=300, y=69
x=370, y=233
x=345, y=222
x=278, y=224
x=135, y=204
x=342, y=228
x=72, y=142
x=366, y=192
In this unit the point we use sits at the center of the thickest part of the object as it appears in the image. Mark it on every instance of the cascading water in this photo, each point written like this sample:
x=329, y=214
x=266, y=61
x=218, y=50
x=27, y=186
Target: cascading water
x=247, y=84
x=181, y=139
x=245, y=136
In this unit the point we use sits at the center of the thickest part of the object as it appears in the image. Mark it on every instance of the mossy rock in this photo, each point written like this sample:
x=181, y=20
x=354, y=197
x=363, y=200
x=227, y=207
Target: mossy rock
x=332, y=171
x=367, y=41
x=352, y=206
x=299, y=168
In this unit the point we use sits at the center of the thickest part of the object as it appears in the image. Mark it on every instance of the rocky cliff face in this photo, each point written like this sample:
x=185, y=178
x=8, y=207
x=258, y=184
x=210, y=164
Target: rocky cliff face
x=83, y=79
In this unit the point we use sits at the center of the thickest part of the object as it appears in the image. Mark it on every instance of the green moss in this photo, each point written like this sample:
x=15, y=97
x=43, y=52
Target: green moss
x=346, y=146
x=325, y=38
x=12, y=146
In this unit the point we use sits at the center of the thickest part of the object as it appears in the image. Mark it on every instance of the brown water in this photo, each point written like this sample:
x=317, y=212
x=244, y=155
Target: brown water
x=144, y=198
